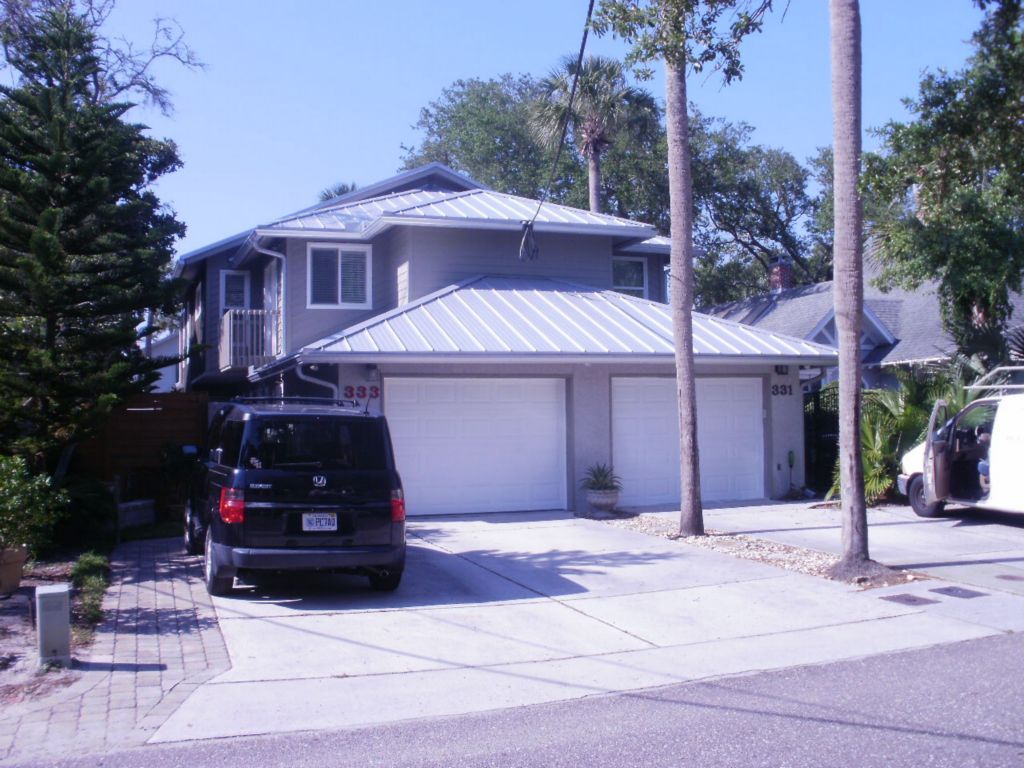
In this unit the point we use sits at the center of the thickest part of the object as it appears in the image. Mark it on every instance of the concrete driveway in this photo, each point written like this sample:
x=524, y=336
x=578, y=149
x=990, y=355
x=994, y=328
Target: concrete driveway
x=510, y=610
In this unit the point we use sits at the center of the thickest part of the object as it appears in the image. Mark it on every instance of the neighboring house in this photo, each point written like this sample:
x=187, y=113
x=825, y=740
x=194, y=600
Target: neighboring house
x=900, y=328
x=502, y=379
x=166, y=345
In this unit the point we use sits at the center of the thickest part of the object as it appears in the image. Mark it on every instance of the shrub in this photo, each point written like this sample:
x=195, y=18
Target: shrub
x=90, y=517
x=29, y=506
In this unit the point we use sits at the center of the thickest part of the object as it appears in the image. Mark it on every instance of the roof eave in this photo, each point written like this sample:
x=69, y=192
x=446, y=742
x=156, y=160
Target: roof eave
x=321, y=357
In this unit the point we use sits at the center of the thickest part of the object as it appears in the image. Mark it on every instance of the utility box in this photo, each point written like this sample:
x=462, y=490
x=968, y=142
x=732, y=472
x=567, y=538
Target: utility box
x=53, y=624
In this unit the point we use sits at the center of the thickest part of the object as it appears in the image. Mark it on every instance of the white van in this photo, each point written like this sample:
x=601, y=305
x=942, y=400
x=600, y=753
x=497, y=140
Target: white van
x=975, y=458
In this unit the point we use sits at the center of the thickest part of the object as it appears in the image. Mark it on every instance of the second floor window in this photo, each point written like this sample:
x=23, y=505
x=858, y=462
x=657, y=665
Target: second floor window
x=629, y=276
x=234, y=290
x=338, y=276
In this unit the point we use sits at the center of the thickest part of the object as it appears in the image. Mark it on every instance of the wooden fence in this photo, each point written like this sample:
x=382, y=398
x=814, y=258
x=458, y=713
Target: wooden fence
x=130, y=444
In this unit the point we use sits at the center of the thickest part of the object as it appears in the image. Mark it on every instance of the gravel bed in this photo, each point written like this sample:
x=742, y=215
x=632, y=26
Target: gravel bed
x=785, y=556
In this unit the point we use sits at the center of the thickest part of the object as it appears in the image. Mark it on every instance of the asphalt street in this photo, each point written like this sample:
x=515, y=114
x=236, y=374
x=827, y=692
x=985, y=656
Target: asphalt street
x=953, y=705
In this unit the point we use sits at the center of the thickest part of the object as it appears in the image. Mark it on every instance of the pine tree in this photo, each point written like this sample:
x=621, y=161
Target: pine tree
x=85, y=244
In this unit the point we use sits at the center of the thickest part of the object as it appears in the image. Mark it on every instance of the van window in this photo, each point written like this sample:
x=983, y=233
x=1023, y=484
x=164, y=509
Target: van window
x=316, y=442
x=231, y=443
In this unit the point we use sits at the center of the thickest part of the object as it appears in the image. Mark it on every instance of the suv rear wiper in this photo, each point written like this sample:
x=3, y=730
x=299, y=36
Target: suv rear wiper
x=315, y=464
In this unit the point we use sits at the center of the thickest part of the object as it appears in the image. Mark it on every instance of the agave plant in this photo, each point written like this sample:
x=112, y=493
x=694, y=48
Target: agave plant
x=600, y=477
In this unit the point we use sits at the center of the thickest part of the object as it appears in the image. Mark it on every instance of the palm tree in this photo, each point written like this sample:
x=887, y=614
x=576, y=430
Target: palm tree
x=336, y=190
x=680, y=183
x=605, y=107
x=848, y=282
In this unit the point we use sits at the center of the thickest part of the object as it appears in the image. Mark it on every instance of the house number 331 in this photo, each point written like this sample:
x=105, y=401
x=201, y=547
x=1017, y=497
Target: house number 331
x=782, y=389
x=361, y=391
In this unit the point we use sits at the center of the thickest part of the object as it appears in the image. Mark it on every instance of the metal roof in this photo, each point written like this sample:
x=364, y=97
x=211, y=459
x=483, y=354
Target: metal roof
x=536, y=319
x=432, y=205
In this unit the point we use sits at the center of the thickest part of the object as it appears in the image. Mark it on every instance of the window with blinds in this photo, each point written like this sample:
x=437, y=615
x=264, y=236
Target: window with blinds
x=339, y=276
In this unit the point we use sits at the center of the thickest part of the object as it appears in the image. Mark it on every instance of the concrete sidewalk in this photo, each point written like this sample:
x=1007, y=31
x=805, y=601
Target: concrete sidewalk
x=498, y=611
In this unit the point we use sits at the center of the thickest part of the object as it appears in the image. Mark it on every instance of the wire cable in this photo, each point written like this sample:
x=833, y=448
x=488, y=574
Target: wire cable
x=528, y=249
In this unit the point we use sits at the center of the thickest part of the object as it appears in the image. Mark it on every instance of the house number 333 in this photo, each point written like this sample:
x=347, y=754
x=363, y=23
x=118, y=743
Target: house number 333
x=360, y=391
x=782, y=389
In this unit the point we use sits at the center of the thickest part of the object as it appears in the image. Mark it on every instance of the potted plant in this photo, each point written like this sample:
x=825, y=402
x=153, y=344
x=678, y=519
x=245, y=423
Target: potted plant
x=602, y=486
x=28, y=509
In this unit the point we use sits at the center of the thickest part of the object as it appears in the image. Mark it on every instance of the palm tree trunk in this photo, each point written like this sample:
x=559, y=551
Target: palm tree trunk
x=848, y=283
x=680, y=183
x=594, y=181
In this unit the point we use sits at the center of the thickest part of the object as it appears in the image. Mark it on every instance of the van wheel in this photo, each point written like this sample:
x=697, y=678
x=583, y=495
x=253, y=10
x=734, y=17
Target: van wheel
x=217, y=584
x=915, y=492
x=193, y=537
x=386, y=580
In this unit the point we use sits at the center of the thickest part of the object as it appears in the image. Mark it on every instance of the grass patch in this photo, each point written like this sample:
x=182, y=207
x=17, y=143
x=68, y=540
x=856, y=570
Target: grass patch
x=90, y=576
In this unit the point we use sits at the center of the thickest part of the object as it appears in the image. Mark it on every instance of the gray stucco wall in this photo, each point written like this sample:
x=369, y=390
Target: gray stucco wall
x=440, y=257
x=588, y=409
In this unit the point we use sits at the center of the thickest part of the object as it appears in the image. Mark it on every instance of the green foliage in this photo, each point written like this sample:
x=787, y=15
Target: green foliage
x=91, y=575
x=952, y=177
x=895, y=420
x=29, y=506
x=482, y=128
x=601, y=477
x=696, y=33
x=85, y=244
x=90, y=517
x=336, y=190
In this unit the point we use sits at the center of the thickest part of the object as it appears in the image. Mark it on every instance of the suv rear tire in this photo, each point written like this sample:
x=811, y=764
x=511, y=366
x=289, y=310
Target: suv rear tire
x=915, y=492
x=217, y=584
x=386, y=580
x=193, y=537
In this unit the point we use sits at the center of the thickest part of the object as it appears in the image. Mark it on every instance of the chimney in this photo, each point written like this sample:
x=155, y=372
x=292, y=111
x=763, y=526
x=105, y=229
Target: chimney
x=780, y=274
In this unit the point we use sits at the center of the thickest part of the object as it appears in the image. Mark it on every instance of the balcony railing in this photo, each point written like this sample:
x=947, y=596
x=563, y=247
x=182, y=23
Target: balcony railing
x=248, y=337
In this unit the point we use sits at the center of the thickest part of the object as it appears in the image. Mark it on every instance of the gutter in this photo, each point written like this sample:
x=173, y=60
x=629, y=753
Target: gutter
x=316, y=357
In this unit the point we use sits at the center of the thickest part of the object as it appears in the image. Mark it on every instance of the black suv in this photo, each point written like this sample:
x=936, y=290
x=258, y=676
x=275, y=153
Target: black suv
x=294, y=484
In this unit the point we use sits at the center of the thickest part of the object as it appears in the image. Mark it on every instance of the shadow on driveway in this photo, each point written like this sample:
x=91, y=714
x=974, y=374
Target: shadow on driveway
x=434, y=577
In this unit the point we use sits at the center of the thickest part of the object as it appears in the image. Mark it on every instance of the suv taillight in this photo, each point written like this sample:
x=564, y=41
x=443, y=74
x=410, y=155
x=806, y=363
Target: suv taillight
x=397, y=506
x=232, y=505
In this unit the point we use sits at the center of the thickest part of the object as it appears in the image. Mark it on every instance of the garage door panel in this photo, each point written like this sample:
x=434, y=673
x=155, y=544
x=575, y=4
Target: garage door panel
x=730, y=433
x=479, y=445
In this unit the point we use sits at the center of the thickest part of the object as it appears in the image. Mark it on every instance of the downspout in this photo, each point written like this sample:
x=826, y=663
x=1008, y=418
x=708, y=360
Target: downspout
x=254, y=242
x=319, y=382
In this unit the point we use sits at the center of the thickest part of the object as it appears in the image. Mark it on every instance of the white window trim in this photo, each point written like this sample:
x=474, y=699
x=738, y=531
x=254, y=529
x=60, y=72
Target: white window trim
x=224, y=273
x=339, y=247
x=643, y=263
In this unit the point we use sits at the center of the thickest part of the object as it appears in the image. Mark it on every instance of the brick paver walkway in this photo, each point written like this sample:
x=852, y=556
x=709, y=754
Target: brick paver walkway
x=158, y=642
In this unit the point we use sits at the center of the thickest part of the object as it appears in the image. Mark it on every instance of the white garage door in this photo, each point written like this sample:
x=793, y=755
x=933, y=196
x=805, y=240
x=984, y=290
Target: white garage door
x=645, y=439
x=478, y=445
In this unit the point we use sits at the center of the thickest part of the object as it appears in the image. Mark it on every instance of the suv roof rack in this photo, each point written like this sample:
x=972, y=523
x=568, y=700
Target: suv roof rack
x=297, y=400
x=1002, y=371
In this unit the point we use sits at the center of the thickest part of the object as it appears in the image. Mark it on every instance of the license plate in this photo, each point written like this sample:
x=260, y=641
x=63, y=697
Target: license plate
x=319, y=521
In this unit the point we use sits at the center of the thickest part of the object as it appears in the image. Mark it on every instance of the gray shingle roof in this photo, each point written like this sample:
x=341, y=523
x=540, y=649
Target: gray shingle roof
x=912, y=317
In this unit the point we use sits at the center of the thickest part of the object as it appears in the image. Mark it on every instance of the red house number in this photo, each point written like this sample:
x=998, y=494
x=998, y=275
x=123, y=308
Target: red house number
x=360, y=392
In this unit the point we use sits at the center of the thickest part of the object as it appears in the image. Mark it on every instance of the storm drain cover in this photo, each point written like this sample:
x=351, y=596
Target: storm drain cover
x=966, y=594
x=1009, y=577
x=908, y=599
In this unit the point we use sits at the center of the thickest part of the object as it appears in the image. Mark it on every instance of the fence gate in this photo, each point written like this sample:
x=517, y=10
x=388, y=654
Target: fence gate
x=821, y=437
x=130, y=443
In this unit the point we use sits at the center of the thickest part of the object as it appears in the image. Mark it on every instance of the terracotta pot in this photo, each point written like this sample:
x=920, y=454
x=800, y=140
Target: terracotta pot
x=12, y=560
x=604, y=501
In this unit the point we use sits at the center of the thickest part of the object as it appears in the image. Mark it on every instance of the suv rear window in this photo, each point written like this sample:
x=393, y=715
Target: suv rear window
x=319, y=442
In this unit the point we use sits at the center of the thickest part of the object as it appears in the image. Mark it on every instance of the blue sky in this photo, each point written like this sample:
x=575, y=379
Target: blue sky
x=298, y=95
